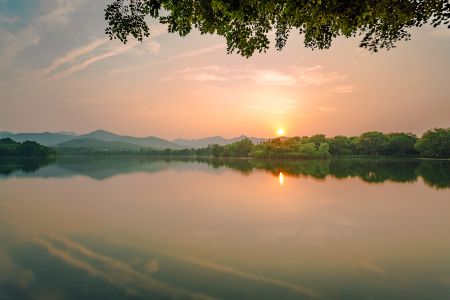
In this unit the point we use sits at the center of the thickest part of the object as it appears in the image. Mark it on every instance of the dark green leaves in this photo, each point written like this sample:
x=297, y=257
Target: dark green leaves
x=246, y=24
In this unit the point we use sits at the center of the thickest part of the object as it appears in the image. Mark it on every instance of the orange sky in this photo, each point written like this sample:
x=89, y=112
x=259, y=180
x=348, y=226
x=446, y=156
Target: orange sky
x=60, y=73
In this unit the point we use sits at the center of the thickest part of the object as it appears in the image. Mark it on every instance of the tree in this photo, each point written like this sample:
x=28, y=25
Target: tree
x=317, y=139
x=400, y=143
x=216, y=150
x=435, y=143
x=323, y=152
x=340, y=145
x=372, y=143
x=246, y=24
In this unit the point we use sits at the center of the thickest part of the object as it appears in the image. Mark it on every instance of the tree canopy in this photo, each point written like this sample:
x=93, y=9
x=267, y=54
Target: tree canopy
x=11, y=148
x=247, y=24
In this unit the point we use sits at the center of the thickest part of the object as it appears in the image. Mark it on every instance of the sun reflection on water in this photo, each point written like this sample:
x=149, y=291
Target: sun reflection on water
x=281, y=178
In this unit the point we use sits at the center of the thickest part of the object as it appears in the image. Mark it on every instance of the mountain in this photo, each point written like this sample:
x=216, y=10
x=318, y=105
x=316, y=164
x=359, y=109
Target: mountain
x=67, y=133
x=97, y=145
x=55, y=139
x=204, y=142
x=45, y=138
x=150, y=142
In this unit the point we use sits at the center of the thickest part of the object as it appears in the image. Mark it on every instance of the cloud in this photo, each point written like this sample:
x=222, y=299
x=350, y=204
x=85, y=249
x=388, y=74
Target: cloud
x=112, y=270
x=11, y=272
x=188, y=54
x=272, y=77
x=371, y=266
x=226, y=269
x=294, y=76
x=16, y=42
x=345, y=89
x=99, y=49
x=59, y=15
x=8, y=20
x=316, y=75
x=90, y=60
x=152, y=266
x=280, y=106
x=230, y=270
x=75, y=53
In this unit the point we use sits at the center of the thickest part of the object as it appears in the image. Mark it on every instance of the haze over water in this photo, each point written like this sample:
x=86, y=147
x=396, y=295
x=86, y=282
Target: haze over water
x=136, y=228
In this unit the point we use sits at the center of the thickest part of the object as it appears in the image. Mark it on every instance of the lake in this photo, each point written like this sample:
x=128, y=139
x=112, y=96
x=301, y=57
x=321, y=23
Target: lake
x=148, y=228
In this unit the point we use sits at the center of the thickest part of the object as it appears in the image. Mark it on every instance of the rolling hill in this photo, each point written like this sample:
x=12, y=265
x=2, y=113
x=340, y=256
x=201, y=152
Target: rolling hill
x=95, y=138
x=97, y=145
x=149, y=142
x=45, y=138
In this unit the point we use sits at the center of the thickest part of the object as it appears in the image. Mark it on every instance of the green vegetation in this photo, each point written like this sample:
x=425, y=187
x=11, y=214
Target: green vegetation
x=9, y=147
x=247, y=24
x=434, y=143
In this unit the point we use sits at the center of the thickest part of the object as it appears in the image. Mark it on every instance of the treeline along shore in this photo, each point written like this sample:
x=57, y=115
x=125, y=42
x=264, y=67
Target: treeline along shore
x=434, y=143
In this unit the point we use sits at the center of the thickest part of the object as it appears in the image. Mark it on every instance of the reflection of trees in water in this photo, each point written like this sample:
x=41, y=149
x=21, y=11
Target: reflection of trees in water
x=435, y=173
x=26, y=165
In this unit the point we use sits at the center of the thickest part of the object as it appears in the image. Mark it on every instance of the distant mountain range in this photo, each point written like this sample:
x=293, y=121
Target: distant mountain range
x=104, y=140
x=98, y=145
x=204, y=142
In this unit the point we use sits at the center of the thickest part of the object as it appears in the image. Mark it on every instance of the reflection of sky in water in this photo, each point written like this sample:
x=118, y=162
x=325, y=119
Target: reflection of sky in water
x=178, y=230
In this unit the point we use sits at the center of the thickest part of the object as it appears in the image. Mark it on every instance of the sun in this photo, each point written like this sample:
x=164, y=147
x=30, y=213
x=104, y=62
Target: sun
x=280, y=131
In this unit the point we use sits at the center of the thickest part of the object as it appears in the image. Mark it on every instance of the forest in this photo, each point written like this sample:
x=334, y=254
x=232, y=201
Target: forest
x=28, y=149
x=434, y=143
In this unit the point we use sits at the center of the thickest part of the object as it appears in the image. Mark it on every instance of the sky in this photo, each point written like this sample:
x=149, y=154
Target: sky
x=59, y=72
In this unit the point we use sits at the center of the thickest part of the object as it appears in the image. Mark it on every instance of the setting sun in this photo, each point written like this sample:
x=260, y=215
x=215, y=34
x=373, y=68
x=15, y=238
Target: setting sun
x=280, y=131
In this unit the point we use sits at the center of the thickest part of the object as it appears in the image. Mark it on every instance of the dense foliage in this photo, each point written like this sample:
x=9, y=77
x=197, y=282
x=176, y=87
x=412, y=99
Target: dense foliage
x=434, y=144
x=247, y=24
x=9, y=147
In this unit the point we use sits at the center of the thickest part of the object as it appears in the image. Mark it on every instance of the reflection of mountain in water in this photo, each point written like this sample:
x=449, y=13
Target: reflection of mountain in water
x=435, y=173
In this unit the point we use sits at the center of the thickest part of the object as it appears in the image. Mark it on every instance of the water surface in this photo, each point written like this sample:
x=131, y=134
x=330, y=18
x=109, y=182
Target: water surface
x=140, y=228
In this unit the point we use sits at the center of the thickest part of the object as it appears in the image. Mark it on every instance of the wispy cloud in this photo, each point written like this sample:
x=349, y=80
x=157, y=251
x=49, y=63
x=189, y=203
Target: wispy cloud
x=372, y=266
x=93, y=59
x=294, y=76
x=233, y=271
x=280, y=106
x=272, y=77
x=11, y=272
x=59, y=15
x=189, y=54
x=112, y=270
x=8, y=20
x=345, y=89
x=70, y=56
x=16, y=42
x=80, y=58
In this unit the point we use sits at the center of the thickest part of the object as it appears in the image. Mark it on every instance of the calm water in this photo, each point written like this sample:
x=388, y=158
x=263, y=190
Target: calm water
x=136, y=228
